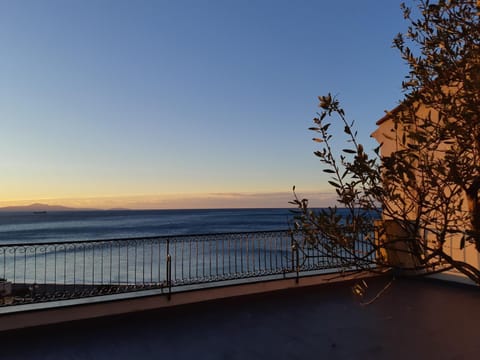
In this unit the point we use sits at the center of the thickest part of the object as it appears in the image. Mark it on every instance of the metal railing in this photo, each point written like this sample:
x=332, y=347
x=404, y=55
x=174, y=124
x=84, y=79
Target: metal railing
x=40, y=272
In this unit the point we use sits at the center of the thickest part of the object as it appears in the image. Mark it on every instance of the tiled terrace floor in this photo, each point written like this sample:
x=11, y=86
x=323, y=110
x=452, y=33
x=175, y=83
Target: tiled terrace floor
x=417, y=319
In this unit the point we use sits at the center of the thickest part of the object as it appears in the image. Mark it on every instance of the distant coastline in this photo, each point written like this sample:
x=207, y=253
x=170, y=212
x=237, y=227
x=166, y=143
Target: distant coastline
x=38, y=208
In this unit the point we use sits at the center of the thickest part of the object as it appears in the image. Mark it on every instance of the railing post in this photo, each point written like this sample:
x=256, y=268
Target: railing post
x=298, y=263
x=295, y=260
x=169, y=270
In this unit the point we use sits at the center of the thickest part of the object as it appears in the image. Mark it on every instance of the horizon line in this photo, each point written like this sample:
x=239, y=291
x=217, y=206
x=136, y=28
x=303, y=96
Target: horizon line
x=227, y=200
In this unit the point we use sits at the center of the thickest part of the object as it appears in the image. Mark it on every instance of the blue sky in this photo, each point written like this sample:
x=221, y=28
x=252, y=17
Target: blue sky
x=184, y=103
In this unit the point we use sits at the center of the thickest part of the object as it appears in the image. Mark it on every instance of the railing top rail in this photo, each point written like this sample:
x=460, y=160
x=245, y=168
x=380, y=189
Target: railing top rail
x=159, y=237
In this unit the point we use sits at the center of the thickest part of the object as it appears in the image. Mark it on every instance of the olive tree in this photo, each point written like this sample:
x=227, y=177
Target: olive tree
x=425, y=191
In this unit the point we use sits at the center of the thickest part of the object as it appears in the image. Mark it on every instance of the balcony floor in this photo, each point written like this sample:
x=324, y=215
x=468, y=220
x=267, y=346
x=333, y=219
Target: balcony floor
x=416, y=319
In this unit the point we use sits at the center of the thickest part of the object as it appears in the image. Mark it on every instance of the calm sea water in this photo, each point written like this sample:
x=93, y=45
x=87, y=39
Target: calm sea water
x=142, y=261
x=93, y=225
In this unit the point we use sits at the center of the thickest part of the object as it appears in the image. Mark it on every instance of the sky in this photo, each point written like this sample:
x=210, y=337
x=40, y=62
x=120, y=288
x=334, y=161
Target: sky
x=184, y=104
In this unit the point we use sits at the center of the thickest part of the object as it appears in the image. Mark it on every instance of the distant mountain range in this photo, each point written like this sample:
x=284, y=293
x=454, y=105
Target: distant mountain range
x=40, y=208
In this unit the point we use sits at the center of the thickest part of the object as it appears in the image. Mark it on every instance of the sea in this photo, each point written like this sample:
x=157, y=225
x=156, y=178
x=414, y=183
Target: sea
x=29, y=227
x=59, y=247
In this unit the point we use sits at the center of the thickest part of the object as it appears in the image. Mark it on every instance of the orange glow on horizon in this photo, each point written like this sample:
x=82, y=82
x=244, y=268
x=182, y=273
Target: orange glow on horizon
x=184, y=201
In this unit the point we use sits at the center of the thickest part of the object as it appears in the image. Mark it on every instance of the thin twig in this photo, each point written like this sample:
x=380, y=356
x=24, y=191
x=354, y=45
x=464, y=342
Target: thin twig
x=379, y=294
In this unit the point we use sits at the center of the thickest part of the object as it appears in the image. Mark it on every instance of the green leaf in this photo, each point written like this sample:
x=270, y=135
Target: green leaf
x=333, y=183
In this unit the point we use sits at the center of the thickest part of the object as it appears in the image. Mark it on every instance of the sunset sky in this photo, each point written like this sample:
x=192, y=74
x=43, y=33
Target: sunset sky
x=168, y=104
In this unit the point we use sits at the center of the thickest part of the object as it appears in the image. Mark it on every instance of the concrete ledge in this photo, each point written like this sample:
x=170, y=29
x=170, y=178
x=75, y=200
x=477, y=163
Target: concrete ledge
x=453, y=276
x=23, y=316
